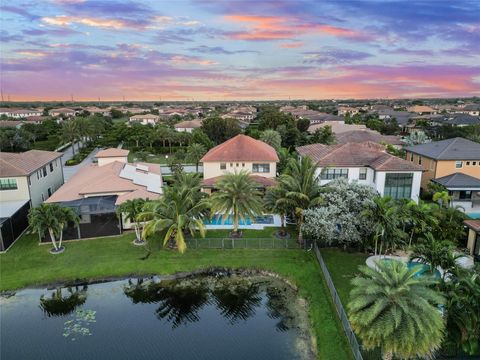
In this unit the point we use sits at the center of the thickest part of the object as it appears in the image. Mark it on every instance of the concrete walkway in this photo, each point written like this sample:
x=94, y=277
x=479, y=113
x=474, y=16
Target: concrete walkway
x=69, y=171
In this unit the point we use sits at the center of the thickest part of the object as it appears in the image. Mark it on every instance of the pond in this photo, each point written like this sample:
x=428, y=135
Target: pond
x=206, y=317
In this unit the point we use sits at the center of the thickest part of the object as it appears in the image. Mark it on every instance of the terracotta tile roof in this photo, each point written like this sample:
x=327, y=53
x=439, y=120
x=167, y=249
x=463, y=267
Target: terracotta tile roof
x=359, y=136
x=189, y=124
x=10, y=123
x=261, y=180
x=356, y=155
x=241, y=148
x=99, y=180
x=37, y=118
x=337, y=127
x=112, y=152
x=473, y=224
x=146, y=116
x=22, y=164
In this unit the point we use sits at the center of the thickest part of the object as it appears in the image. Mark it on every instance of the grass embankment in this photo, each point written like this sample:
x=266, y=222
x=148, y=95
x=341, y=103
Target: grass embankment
x=27, y=263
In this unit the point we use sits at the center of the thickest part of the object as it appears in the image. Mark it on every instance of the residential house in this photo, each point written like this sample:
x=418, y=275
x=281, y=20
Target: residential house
x=473, y=238
x=144, y=119
x=64, y=112
x=446, y=157
x=470, y=109
x=344, y=110
x=464, y=190
x=240, y=153
x=188, y=126
x=337, y=127
x=11, y=124
x=26, y=180
x=36, y=119
x=95, y=191
x=367, y=163
x=367, y=135
x=421, y=109
x=24, y=113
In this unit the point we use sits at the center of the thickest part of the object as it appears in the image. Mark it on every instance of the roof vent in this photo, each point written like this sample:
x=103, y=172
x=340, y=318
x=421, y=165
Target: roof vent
x=142, y=168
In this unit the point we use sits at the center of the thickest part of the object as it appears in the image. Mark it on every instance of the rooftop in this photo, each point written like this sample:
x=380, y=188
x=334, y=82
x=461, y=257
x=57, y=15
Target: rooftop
x=241, y=148
x=458, y=181
x=22, y=164
x=450, y=149
x=145, y=116
x=189, y=124
x=473, y=224
x=360, y=136
x=112, y=152
x=356, y=155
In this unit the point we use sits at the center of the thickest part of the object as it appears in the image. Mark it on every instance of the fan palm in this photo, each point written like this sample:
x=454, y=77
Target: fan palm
x=393, y=308
x=237, y=194
x=300, y=182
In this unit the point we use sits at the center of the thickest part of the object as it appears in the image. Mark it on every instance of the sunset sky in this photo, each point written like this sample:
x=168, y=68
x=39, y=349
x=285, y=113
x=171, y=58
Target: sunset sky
x=238, y=50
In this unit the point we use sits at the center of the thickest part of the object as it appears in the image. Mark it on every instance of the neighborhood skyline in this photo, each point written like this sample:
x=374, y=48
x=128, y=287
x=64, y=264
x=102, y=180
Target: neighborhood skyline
x=236, y=50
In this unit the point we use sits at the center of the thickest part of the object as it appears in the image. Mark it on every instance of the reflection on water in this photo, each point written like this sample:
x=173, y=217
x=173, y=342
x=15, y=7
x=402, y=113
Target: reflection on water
x=199, y=318
x=63, y=301
x=236, y=298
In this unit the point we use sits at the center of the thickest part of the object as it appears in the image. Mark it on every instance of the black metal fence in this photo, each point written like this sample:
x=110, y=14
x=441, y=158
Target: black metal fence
x=242, y=243
x=352, y=339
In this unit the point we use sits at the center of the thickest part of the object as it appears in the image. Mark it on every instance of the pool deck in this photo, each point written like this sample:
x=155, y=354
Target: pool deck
x=255, y=226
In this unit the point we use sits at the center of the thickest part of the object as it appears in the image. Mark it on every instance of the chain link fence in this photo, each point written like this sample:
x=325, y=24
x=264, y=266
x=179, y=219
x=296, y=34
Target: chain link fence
x=242, y=243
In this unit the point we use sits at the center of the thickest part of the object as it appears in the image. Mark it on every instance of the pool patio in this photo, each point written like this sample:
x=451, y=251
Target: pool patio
x=220, y=221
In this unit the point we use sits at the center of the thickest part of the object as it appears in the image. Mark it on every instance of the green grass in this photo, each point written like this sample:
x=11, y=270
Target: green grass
x=343, y=267
x=27, y=264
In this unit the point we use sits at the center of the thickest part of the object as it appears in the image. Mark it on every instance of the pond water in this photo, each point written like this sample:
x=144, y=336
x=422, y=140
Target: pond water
x=197, y=318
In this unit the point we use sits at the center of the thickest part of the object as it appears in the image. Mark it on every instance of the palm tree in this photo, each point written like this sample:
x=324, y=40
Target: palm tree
x=180, y=210
x=195, y=153
x=70, y=133
x=237, y=194
x=272, y=138
x=130, y=209
x=51, y=218
x=383, y=216
x=393, y=308
x=300, y=182
x=276, y=202
x=442, y=198
x=421, y=218
x=436, y=254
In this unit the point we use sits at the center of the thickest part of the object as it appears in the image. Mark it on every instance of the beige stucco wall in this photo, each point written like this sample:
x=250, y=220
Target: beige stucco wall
x=108, y=160
x=212, y=169
x=39, y=186
x=471, y=240
x=21, y=193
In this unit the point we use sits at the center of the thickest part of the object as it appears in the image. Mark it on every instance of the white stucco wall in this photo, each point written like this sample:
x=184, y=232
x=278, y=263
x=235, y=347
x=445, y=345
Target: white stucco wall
x=20, y=193
x=39, y=185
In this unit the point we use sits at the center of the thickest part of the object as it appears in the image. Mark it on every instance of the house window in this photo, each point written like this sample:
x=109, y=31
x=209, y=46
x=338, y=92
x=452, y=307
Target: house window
x=231, y=164
x=331, y=174
x=43, y=197
x=49, y=192
x=261, y=168
x=398, y=185
x=411, y=157
x=458, y=164
x=464, y=195
x=44, y=171
x=8, y=184
x=237, y=164
x=243, y=164
x=468, y=163
x=419, y=160
x=223, y=166
x=51, y=167
x=474, y=163
x=363, y=174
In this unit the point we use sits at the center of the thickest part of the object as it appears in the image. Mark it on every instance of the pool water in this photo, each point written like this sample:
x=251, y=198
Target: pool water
x=202, y=318
x=424, y=271
x=228, y=220
x=474, y=215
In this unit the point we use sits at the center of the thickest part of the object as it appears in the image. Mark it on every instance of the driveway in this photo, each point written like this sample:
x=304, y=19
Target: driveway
x=69, y=171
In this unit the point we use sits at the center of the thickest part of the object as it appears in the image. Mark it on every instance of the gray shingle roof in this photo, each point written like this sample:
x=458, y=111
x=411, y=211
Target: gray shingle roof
x=450, y=149
x=458, y=181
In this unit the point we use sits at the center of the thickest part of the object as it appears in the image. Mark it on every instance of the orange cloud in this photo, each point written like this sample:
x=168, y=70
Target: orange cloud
x=283, y=28
x=292, y=45
x=63, y=20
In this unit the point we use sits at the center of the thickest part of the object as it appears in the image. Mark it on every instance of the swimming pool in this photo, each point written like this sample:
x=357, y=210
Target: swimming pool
x=473, y=215
x=424, y=269
x=228, y=220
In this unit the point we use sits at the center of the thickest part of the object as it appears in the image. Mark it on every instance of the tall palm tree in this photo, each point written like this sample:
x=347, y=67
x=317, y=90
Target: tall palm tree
x=237, y=194
x=275, y=201
x=70, y=133
x=421, y=218
x=130, y=209
x=386, y=224
x=180, y=210
x=51, y=219
x=300, y=183
x=442, y=198
x=195, y=153
x=393, y=308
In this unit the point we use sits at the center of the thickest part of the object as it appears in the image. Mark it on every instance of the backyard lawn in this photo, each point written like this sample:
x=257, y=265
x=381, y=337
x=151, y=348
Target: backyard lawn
x=343, y=267
x=30, y=264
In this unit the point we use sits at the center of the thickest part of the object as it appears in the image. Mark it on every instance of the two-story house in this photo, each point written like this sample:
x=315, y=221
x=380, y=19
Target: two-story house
x=453, y=163
x=144, y=119
x=367, y=163
x=241, y=152
x=26, y=180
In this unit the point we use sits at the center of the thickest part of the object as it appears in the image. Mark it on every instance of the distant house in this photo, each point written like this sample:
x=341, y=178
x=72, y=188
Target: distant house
x=367, y=163
x=470, y=109
x=188, y=126
x=421, y=109
x=338, y=127
x=95, y=191
x=17, y=124
x=36, y=119
x=26, y=180
x=65, y=112
x=361, y=136
x=344, y=110
x=97, y=110
x=446, y=157
x=144, y=119
x=24, y=113
x=240, y=153
x=462, y=120
x=464, y=190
